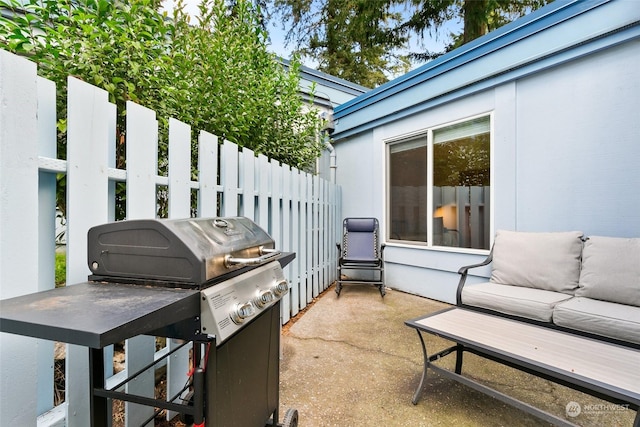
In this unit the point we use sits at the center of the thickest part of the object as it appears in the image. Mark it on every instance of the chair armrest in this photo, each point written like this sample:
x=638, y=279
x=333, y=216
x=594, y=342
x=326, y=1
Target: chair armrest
x=463, y=275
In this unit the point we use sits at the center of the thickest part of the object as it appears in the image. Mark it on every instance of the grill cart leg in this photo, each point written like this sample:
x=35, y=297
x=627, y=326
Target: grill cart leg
x=198, y=398
x=99, y=406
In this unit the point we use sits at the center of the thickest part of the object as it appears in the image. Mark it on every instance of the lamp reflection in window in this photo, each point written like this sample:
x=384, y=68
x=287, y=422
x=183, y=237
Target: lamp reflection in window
x=445, y=226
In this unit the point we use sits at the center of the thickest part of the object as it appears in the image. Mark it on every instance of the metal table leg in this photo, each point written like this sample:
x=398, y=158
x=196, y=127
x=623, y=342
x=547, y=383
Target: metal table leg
x=416, y=395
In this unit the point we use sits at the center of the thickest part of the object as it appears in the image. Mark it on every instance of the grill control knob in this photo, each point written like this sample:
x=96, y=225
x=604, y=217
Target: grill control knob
x=263, y=298
x=241, y=311
x=281, y=288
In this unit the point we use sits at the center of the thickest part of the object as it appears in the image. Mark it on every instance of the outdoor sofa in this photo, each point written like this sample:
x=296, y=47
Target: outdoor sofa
x=586, y=285
x=559, y=305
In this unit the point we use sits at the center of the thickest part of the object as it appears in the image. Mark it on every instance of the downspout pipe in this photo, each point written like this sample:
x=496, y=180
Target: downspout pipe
x=332, y=160
x=327, y=129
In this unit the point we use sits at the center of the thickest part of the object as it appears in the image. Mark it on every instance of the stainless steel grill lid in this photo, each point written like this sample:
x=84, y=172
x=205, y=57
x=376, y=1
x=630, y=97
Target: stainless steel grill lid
x=188, y=251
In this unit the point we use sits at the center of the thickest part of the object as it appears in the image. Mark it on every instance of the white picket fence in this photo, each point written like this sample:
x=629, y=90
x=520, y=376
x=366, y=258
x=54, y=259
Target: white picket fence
x=300, y=211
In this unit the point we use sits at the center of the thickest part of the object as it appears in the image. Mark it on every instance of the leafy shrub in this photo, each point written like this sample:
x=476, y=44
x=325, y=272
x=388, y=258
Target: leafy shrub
x=215, y=74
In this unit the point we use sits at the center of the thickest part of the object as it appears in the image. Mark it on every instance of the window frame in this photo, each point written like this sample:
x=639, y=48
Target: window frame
x=429, y=133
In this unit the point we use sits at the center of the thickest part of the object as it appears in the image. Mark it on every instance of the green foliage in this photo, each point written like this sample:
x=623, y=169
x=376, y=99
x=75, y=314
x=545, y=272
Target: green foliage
x=61, y=269
x=352, y=39
x=360, y=40
x=250, y=99
x=478, y=17
x=215, y=74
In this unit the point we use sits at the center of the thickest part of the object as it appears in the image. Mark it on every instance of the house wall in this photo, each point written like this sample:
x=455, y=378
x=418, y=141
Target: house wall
x=578, y=145
x=565, y=147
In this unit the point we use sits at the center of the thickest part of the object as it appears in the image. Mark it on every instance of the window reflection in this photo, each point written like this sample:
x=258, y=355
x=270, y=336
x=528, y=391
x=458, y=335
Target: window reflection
x=461, y=179
x=408, y=190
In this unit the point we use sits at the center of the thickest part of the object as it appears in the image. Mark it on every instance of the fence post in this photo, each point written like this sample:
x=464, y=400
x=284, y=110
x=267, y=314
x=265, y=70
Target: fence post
x=18, y=231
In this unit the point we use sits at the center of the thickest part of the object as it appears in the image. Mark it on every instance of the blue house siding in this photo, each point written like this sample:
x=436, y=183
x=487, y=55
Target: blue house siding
x=578, y=144
x=565, y=133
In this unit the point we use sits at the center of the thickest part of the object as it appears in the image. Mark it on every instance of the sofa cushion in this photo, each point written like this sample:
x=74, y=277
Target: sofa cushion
x=549, y=261
x=536, y=304
x=609, y=319
x=611, y=270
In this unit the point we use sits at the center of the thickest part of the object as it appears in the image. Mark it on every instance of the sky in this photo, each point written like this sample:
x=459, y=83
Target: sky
x=277, y=35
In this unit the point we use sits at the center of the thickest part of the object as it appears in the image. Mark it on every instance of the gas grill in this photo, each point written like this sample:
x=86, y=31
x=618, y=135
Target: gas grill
x=213, y=282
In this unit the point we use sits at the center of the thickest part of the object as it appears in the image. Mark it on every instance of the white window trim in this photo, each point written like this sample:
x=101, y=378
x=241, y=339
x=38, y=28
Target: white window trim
x=397, y=139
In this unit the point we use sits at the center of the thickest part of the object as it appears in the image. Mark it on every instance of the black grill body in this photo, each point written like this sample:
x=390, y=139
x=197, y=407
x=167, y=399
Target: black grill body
x=216, y=283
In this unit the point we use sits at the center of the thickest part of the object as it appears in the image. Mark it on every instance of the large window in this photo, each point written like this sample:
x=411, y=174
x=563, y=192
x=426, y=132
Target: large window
x=439, y=186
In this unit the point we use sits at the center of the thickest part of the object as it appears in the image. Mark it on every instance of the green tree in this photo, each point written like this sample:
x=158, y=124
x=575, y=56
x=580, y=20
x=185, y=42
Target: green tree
x=356, y=40
x=428, y=17
x=360, y=40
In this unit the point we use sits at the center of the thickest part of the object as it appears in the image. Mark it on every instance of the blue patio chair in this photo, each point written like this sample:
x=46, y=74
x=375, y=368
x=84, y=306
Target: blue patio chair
x=361, y=251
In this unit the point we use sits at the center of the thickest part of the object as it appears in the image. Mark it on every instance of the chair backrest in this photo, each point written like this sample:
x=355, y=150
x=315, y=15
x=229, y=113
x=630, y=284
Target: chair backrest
x=360, y=239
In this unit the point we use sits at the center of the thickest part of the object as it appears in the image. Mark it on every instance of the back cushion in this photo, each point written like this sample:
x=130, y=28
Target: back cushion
x=360, y=240
x=611, y=270
x=549, y=261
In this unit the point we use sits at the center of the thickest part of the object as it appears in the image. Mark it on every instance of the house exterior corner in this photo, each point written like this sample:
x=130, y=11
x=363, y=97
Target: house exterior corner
x=533, y=127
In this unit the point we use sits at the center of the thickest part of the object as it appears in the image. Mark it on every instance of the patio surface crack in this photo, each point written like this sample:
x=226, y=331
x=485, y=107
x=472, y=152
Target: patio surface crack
x=368, y=349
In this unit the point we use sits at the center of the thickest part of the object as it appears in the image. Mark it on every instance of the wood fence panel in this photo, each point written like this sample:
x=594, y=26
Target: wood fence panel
x=264, y=187
x=88, y=121
x=276, y=223
x=207, y=175
x=285, y=239
x=18, y=231
x=309, y=218
x=303, y=237
x=294, y=276
x=229, y=178
x=142, y=149
x=322, y=209
x=179, y=169
x=248, y=183
x=179, y=207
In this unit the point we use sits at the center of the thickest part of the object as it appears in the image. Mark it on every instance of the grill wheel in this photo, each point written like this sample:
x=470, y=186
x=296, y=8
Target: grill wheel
x=290, y=418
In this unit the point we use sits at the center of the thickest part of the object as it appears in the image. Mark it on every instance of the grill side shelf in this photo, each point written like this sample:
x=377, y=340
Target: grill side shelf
x=97, y=314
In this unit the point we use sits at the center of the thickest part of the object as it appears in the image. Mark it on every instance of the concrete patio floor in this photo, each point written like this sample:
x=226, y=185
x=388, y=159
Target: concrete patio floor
x=351, y=361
